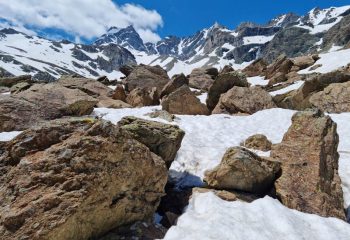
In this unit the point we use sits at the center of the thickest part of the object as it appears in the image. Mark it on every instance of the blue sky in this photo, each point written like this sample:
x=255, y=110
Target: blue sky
x=184, y=17
x=85, y=20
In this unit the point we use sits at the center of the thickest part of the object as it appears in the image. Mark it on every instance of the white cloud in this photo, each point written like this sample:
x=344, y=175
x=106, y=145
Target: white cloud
x=81, y=18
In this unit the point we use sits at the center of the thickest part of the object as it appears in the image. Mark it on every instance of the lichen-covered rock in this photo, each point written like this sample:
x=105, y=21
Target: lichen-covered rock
x=184, y=101
x=243, y=170
x=244, y=100
x=309, y=159
x=176, y=82
x=76, y=179
x=258, y=142
x=162, y=139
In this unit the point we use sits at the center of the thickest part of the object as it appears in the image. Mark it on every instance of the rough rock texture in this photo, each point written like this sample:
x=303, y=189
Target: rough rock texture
x=119, y=93
x=146, y=77
x=161, y=114
x=202, y=78
x=243, y=170
x=258, y=142
x=11, y=81
x=222, y=84
x=226, y=69
x=126, y=69
x=309, y=158
x=76, y=179
x=162, y=139
x=184, y=101
x=176, y=82
x=256, y=68
x=141, y=97
x=244, y=100
x=19, y=87
x=333, y=99
x=42, y=102
x=303, y=62
x=111, y=103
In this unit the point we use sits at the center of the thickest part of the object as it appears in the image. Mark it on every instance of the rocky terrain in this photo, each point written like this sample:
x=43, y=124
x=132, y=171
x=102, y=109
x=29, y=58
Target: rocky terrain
x=259, y=151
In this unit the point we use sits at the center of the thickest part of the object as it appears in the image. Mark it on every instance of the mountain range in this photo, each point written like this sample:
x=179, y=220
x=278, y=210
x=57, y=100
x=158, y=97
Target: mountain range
x=317, y=31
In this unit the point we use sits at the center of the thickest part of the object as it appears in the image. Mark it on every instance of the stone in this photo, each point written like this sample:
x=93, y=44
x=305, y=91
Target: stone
x=226, y=69
x=244, y=100
x=256, y=68
x=333, y=99
x=303, y=62
x=281, y=65
x=162, y=139
x=223, y=83
x=224, y=195
x=119, y=93
x=176, y=82
x=11, y=81
x=19, y=87
x=243, y=170
x=309, y=159
x=77, y=179
x=126, y=69
x=141, y=98
x=42, y=102
x=183, y=101
x=111, y=103
x=258, y=142
x=146, y=77
x=202, y=78
x=104, y=80
x=161, y=114
x=4, y=90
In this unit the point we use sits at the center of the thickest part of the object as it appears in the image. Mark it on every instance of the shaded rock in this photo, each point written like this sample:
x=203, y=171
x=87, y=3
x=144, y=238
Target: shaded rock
x=162, y=139
x=258, y=142
x=309, y=160
x=176, y=82
x=146, y=77
x=226, y=69
x=333, y=99
x=19, y=87
x=222, y=84
x=161, y=114
x=119, y=93
x=244, y=100
x=202, y=78
x=111, y=103
x=281, y=65
x=303, y=62
x=141, y=98
x=126, y=69
x=42, y=102
x=243, y=170
x=184, y=101
x=85, y=179
x=11, y=81
x=104, y=80
x=256, y=68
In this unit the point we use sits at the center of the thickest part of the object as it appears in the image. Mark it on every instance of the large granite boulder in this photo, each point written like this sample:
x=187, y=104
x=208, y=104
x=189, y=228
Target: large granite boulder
x=42, y=102
x=202, y=78
x=308, y=154
x=223, y=83
x=119, y=93
x=243, y=170
x=244, y=100
x=184, y=101
x=11, y=81
x=162, y=139
x=176, y=82
x=76, y=179
x=141, y=97
x=256, y=68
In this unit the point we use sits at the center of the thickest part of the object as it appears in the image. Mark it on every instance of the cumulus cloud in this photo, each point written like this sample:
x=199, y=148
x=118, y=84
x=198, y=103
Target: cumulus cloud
x=81, y=18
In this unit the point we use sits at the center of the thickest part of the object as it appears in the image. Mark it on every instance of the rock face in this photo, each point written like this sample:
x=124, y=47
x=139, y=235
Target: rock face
x=256, y=68
x=142, y=97
x=244, y=100
x=76, y=179
x=309, y=158
x=258, y=142
x=333, y=99
x=202, y=78
x=119, y=93
x=222, y=84
x=42, y=102
x=176, y=82
x=162, y=139
x=147, y=77
x=184, y=101
x=243, y=170
x=11, y=81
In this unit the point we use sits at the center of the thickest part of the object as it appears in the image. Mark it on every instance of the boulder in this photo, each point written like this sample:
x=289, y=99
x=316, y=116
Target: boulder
x=119, y=93
x=142, y=97
x=11, y=81
x=104, y=80
x=303, y=62
x=333, y=99
x=126, y=69
x=256, y=68
x=309, y=159
x=161, y=114
x=111, y=103
x=223, y=83
x=226, y=69
x=202, y=78
x=19, y=87
x=76, y=179
x=162, y=139
x=280, y=67
x=146, y=77
x=258, y=142
x=243, y=170
x=42, y=102
x=176, y=82
x=244, y=100
x=184, y=101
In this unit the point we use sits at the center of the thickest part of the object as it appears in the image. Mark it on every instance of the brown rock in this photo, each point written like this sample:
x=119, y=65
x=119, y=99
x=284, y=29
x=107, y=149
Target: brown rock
x=202, y=78
x=281, y=65
x=176, y=82
x=243, y=170
x=126, y=69
x=224, y=195
x=309, y=158
x=258, y=142
x=76, y=179
x=184, y=101
x=303, y=62
x=244, y=100
x=141, y=98
x=222, y=84
x=111, y=103
x=11, y=81
x=119, y=93
x=161, y=114
x=104, y=80
x=257, y=68
x=19, y=87
x=226, y=69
